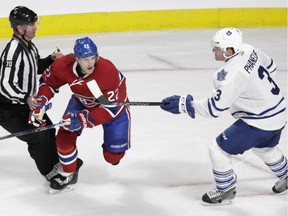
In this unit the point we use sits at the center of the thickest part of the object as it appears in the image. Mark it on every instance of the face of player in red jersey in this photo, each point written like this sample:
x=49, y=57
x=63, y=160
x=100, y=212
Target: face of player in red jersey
x=87, y=64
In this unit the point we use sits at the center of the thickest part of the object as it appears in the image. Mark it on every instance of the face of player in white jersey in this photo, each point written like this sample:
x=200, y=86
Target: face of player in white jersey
x=220, y=55
x=87, y=64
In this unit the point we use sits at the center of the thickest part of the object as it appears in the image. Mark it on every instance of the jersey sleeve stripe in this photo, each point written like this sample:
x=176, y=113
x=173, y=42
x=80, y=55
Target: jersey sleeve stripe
x=210, y=110
x=271, y=64
x=216, y=108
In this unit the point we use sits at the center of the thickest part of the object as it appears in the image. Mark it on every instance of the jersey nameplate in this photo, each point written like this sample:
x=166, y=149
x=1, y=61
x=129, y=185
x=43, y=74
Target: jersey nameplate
x=251, y=62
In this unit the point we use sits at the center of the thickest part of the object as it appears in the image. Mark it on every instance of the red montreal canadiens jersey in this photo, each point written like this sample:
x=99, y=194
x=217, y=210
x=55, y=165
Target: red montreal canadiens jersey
x=111, y=82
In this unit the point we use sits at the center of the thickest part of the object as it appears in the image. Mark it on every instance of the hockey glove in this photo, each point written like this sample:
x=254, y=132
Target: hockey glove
x=36, y=115
x=77, y=121
x=179, y=104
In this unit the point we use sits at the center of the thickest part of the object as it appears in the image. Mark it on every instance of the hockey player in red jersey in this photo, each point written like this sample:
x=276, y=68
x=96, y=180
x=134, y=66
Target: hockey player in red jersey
x=83, y=109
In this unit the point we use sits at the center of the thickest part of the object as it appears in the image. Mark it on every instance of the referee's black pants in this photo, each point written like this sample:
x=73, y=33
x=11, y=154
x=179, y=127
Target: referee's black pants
x=41, y=145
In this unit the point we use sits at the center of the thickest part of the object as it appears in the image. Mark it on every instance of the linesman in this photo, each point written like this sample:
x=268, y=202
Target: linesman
x=20, y=64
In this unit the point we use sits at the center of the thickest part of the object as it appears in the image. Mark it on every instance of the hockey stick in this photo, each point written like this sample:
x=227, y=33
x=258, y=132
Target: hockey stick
x=94, y=88
x=134, y=103
x=104, y=101
x=35, y=130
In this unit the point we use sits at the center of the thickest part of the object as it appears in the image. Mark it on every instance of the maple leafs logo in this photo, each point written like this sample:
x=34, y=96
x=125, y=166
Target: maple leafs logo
x=221, y=75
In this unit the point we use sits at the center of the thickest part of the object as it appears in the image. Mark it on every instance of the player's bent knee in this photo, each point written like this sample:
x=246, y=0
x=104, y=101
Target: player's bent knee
x=220, y=159
x=216, y=150
x=113, y=157
x=268, y=155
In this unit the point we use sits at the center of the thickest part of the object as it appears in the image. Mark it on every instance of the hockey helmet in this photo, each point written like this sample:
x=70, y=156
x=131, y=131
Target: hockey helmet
x=228, y=38
x=85, y=47
x=22, y=15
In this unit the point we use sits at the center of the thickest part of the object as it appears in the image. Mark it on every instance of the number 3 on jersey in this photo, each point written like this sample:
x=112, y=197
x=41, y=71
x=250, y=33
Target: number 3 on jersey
x=261, y=73
x=218, y=94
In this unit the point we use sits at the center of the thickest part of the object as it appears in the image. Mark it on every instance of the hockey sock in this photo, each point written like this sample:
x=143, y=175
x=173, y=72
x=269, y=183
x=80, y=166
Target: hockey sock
x=113, y=157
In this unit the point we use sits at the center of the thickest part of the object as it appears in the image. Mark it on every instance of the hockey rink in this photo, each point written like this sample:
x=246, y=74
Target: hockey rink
x=167, y=169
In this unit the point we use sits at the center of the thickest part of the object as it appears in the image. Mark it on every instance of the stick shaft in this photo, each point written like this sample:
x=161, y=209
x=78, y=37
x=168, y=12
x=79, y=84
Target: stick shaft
x=95, y=90
x=137, y=103
x=31, y=131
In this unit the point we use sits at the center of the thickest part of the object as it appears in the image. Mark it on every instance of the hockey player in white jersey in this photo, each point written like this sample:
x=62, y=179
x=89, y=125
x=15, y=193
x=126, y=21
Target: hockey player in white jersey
x=244, y=87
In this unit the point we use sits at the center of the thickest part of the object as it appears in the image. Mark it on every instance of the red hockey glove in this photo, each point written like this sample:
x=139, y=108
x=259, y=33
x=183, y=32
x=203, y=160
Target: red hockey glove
x=36, y=115
x=77, y=121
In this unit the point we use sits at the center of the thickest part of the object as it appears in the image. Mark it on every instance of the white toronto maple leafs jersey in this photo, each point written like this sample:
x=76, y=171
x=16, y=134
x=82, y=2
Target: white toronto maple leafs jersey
x=245, y=87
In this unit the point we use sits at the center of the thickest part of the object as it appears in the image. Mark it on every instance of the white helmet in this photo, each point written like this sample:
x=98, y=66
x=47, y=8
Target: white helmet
x=228, y=37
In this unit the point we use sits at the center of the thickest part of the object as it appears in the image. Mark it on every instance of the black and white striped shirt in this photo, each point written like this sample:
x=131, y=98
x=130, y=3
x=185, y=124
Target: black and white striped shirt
x=19, y=67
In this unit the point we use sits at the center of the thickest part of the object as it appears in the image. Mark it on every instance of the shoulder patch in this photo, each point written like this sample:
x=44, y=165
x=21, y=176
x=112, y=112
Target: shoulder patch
x=221, y=75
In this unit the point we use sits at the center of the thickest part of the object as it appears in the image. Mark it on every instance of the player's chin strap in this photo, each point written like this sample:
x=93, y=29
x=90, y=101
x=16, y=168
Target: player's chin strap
x=95, y=90
x=24, y=26
x=227, y=58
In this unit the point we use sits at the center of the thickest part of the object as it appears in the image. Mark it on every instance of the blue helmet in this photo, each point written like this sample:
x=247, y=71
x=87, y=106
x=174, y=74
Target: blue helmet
x=85, y=47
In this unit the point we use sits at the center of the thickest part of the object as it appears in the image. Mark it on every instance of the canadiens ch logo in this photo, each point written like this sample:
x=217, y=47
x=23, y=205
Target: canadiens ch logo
x=86, y=101
x=221, y=75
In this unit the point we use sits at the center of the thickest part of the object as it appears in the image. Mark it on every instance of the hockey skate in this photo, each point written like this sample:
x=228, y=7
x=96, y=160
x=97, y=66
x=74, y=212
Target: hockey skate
x=280, y=186
x=65, y=183
x=53, y=173
x=216, y=197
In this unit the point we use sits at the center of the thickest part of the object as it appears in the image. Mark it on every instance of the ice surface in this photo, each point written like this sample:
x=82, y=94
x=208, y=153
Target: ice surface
x=167, y=169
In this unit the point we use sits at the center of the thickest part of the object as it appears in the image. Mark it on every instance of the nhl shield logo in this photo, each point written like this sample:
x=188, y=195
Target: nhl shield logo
x=221, y=75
